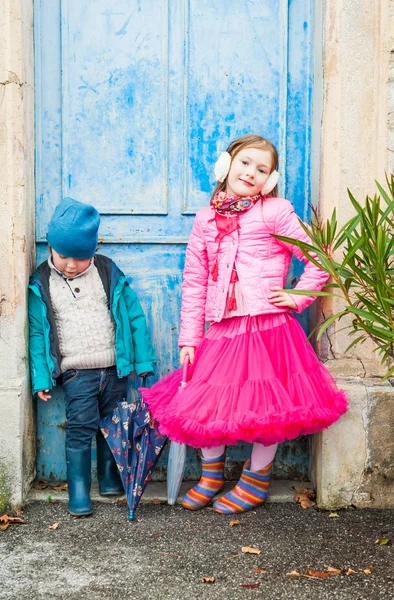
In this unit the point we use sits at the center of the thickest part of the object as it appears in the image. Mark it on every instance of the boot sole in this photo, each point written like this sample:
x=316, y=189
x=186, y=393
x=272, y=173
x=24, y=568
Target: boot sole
x=80, y=514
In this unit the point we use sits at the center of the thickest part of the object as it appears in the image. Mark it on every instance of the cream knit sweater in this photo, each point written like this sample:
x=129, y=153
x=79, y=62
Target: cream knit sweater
x=85, y=327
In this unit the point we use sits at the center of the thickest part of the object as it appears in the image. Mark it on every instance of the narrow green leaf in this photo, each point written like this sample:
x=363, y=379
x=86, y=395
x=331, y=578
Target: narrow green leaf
x=388, y=374
x=352, y=252
x=384, y=194
x=309, y=293
x=329, y=322
x=354, y=342
x=294, y=242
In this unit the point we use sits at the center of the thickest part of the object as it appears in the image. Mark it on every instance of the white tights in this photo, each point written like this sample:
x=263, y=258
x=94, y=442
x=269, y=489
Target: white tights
x=261, y=455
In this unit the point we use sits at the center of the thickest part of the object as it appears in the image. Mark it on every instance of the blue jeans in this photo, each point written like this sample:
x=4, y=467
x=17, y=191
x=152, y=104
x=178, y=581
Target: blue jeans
x=89, y=394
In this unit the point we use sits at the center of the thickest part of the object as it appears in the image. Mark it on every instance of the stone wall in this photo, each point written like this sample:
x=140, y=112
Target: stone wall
x=17, y=434
x=353, y=461
x=390, y=142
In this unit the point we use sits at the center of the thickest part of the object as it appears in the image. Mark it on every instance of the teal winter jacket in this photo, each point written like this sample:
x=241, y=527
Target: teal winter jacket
x=134, y=351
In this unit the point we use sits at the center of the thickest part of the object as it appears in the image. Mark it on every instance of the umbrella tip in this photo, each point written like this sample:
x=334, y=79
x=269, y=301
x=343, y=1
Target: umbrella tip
x=130, y=515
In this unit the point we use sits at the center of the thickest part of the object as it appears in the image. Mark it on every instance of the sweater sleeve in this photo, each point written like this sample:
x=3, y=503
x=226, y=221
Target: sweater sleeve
x=194, y=288
x=313, y=278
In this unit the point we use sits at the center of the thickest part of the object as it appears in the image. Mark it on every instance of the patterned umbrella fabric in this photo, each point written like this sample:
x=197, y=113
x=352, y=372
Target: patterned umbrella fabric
x=136, y=444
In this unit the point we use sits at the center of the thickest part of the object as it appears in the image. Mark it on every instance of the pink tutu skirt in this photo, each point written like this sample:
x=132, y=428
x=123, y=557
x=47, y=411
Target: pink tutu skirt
x=255, y=379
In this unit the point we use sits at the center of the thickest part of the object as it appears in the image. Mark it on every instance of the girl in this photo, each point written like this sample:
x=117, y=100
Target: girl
x=253, y=375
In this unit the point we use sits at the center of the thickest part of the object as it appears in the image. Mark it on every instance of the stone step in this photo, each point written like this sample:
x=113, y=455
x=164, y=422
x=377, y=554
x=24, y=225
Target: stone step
x=281, y=490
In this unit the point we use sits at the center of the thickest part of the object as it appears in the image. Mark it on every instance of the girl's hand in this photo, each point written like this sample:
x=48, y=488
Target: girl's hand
x=44, y=395
x=281, y=298
x=187, y=350
x=144, y=374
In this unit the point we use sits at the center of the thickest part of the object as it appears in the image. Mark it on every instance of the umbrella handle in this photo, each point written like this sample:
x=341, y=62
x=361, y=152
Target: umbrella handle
x=185, y=369
x=130, y=516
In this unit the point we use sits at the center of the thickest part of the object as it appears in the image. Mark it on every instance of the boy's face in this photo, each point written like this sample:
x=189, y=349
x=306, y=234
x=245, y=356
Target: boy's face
x=69, y=267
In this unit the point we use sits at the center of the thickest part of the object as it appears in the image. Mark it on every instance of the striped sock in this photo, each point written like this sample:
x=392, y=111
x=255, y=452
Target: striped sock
x=211, y=482
x=251, y=491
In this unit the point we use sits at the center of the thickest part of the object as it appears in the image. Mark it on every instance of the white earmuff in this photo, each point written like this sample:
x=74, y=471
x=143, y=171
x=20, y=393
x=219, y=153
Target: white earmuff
x=222, y=166
x=271, y=182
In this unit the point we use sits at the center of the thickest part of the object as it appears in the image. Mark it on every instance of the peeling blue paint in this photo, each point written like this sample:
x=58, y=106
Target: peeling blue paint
x=138, y=109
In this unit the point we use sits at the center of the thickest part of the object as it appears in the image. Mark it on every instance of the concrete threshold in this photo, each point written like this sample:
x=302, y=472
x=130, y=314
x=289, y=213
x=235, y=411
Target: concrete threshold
x=281, y=490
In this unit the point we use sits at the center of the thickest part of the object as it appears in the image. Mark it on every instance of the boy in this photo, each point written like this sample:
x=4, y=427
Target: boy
x=87, y=334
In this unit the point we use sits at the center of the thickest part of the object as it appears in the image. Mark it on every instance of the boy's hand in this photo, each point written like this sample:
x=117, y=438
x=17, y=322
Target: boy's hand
x=187, y=350
x=44, y=395
x=281, y=298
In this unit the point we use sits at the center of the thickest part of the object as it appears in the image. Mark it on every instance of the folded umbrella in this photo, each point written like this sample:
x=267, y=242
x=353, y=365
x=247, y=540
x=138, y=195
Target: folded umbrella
x=177, y=454
x=136, y=444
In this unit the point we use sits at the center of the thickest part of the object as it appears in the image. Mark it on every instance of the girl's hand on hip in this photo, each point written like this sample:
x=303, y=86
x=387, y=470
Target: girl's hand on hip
x=281, y=298
x=44, y=395
x=187, y=350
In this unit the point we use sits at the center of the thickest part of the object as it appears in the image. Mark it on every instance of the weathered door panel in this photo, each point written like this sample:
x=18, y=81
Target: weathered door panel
x=134, y=100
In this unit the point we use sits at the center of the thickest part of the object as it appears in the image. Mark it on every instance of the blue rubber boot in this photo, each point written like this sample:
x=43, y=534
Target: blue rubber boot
x=110, y=483
x=79, y=480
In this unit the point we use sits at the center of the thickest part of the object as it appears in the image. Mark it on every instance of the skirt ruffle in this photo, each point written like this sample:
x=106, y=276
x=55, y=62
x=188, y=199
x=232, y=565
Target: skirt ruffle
x=255, y=379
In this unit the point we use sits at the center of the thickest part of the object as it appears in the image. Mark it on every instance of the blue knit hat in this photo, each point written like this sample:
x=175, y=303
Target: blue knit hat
x=73, y=229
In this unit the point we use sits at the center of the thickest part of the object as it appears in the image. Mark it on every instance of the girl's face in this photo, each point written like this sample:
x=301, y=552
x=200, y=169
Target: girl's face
x=69, y=267
x=249, y=171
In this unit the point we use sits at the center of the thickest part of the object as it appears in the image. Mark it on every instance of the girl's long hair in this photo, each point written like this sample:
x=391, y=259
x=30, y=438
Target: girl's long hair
x=250, y=141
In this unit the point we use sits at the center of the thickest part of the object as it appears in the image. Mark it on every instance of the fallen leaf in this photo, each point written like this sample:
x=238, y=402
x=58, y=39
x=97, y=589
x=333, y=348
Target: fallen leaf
x=234, y=523
x=250, y=550
x=61, y=488
x=349, y=572
x=208, y=580
x=302, y=490
x=257, y=570
x=54, y=526
x=305, y=498
x=367, y=571
x=304, y=501
x=250, y=586
x=157, y=535
x=156, y=501
x=384, y=542
x=7, y=520
x=333, y=571
x=333, y=515
x=293, y=574
x=316, y=573
x=233, y=556
x=41, y=484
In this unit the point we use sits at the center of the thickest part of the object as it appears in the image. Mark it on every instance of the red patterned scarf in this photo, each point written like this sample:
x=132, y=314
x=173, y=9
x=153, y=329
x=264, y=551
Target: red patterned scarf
x=227, y=210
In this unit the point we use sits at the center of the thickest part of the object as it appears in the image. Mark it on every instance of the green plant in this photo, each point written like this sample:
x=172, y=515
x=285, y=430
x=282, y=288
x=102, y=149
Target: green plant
x=5, y=489
x=360, y=261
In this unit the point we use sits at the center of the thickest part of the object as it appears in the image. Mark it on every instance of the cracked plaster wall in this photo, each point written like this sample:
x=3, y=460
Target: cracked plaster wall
x=390, y=141
x=17, y=438
x=353, y=461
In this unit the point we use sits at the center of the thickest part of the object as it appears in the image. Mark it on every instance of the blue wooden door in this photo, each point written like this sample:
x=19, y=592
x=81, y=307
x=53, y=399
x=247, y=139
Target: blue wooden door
x=134, y=101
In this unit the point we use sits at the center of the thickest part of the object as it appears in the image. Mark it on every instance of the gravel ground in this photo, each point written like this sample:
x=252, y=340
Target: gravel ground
x=168, y=550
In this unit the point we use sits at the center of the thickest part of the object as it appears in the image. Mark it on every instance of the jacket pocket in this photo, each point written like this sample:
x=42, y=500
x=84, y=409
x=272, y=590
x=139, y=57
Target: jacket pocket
x=68, y=376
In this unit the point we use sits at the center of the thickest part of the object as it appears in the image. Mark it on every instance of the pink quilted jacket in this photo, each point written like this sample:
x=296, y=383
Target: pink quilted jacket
x=261, y=262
